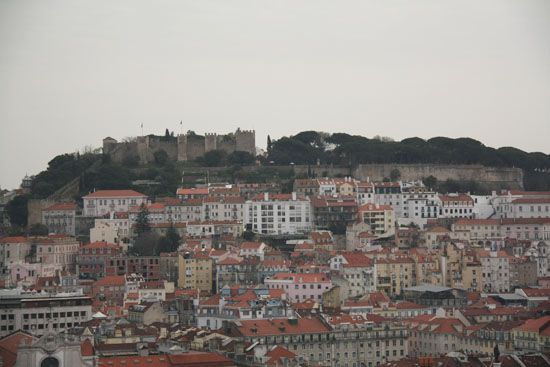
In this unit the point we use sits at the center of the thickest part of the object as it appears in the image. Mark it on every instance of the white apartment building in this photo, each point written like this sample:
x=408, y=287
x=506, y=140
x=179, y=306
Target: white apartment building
x=223, y=208
x=278, y=214
x=60, y=218
x=495, y=271
x=40, y=312
x=456, y=206
x=530, y=208
x=103, y=202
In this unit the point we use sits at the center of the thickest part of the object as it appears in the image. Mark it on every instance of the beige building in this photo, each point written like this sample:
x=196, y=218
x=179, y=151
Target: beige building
x=195, y=271
x=393, y=275
x=380, y=218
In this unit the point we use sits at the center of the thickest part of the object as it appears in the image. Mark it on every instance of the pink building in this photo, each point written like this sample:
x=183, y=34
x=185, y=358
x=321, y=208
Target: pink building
x=299, y=287
x=26, y=274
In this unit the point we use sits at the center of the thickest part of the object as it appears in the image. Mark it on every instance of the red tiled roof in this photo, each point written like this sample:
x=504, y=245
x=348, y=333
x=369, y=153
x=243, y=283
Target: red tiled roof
x=86, y=348
x=134, y=361
x=199, y=359
x=532, y=201
x=114, y=193
x=251, y=245
x=356, y=259
x=192, y=191
x=536, y=292
x=282, y=326
x=14, y=239
x=535, y=325
x=277, y=354
x=110, y=280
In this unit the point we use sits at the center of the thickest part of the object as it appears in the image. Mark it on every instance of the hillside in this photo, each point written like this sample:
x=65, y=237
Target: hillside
x=96, y=171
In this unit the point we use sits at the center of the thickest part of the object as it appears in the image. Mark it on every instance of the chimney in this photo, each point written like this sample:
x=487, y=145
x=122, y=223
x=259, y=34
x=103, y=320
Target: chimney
x=266, y=196
x=294, y=196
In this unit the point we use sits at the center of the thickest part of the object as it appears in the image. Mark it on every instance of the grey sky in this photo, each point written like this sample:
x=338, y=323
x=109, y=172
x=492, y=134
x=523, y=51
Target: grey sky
x=73, y=72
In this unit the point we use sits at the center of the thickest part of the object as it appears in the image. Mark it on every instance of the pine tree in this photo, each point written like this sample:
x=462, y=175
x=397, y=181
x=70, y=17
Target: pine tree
x=142, y=221
x=268, y=144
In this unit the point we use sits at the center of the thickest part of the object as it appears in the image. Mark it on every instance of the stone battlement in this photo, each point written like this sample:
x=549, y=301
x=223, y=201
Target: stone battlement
x=184, y=147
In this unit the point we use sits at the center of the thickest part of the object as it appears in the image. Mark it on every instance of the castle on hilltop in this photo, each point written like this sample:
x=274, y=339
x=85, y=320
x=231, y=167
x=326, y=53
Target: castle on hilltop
x=184, y=147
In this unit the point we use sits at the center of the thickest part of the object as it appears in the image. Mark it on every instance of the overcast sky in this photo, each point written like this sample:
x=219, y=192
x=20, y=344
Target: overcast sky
x=73, y=72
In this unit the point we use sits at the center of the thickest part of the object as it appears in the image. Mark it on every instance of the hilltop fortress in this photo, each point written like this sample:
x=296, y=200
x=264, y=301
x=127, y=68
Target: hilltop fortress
x=184, y=147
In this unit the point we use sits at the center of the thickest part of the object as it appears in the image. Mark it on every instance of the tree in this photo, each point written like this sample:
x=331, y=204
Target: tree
x=38, y=229
x=268, y=144
x=240, y=158
x=161, y=157
x=146, y=244
x=395, y=175
x=430, y=182
x=142, y=221
x=214, y=158
x=167, y=134
x=17, y=210
x=249, y=235
x=170, y=241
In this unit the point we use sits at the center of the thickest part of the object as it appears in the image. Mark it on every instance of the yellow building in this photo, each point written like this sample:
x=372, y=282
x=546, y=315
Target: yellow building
x=195, y=272
x=471, y=276
x=393, y=275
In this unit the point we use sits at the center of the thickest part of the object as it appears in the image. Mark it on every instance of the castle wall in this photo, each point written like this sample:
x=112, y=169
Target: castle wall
x=227, y=143
x=488, y=176
x=170, y=146
x=195, y=147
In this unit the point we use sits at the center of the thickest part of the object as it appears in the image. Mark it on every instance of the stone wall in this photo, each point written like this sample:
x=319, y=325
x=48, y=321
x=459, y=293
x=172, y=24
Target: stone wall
x=491, y=177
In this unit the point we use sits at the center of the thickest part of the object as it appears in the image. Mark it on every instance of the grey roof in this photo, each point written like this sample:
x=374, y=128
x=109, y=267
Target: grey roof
x=428, y=288
x=509, y=296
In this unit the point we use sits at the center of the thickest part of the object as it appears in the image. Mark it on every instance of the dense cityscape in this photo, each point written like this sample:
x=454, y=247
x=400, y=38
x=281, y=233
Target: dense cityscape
x=211, y=252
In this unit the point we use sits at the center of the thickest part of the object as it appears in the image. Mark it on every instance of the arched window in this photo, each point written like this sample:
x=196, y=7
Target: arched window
x=50, y=362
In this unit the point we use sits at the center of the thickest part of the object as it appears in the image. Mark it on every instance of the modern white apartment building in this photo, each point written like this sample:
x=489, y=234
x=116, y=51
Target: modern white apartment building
x=278, y=214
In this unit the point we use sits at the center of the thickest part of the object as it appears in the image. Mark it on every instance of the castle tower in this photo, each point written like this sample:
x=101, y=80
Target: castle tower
x=246, y=141
x=210, y=142
x=109, y=144
x=182, y=147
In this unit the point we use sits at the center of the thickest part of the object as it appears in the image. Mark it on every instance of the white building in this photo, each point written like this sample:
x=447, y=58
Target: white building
x=223, y=208
x=60, y=218
x=279, y=214
x=495, y=271
x=103, y=202
x=39, y=312
x=12, y=250
x=359, y=271
x=115, y=229
x=456, y=206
